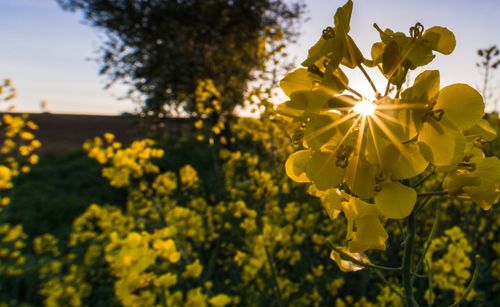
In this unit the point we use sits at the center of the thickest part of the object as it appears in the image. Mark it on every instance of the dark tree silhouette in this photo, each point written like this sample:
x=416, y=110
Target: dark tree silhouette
x=161, y=48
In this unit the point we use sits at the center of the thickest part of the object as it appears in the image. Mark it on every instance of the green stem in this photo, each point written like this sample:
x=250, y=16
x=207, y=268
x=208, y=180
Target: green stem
x=274, y=276
x=163, y=297
x=387, y=87
x=470, y=287
x=418, y=183
x=354, y=92
x=391, y=286
x=400, y=86
x=431, y=284
x=429, y=240
x=437, y=193
x=367, y=76
x=407, y=262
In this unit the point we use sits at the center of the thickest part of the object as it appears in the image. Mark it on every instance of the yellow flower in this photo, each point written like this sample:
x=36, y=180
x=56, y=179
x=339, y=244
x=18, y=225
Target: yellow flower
x=5, y=177
x=193, y=270
x=220, y=300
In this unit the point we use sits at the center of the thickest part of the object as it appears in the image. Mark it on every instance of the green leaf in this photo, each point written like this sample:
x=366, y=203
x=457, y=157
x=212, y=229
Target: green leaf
x=440, y=39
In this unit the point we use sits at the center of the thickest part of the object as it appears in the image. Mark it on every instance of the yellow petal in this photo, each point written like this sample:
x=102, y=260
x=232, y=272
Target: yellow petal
x=488, y=192
x=441, y=143
x=323, y=171
x=346, y=265
x=403, y=165
x=369, y=234
x=311, y=102
x=395, y=200
x=462, y=105
x=440, y=39
x=360, y=177
x=454, y=182
x=321, y=129
x=220, y=300
x=288, y=113
x=331, y=202
x=295, y=165
x=424, y=88
x=354, y=209
x=482, y=129
x=298, y=80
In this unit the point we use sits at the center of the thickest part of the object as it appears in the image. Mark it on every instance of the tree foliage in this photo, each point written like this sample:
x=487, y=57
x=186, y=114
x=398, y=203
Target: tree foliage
x=161, y=48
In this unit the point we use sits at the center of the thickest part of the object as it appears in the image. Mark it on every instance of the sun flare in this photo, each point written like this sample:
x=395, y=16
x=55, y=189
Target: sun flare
x=364, y=107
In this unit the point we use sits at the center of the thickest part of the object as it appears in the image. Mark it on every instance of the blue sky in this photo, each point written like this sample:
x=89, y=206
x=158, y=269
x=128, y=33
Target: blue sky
x=47, y=51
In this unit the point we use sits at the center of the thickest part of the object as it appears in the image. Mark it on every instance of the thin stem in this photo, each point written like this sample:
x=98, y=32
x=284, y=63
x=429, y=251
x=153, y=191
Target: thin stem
x=400, y=86
x=470, y=287
x=362, y=263
x=407, y=262
x=437, y=193
x=275, y=277
x=425, y=201
x=163, y=297
x=418, y=183
x=390, y=285
x=377, y=94
x=387, y=87
x=354, y=92
x=431, y=285
x=429, y=240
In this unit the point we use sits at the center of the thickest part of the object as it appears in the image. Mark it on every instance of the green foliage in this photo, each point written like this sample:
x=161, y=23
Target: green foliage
x=69, y=183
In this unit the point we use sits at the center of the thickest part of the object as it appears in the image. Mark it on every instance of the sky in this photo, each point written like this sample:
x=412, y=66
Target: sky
x=48, y=52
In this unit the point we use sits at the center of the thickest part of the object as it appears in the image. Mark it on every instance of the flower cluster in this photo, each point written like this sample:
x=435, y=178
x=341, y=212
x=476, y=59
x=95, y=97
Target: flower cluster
x=209, y=112
x=124, y=163
x=17, y=148
x=450, y=271
x=364, y=155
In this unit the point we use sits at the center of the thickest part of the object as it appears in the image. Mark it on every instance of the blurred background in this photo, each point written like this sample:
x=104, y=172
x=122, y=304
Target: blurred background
x=142, y=158
x=52, y=53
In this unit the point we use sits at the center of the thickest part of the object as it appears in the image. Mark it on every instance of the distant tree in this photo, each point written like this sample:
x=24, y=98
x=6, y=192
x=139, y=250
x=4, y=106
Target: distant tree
x=490, y=60
x=162, y=48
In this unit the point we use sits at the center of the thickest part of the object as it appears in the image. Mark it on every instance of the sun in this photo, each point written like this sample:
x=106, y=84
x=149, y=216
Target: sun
x=364, y=107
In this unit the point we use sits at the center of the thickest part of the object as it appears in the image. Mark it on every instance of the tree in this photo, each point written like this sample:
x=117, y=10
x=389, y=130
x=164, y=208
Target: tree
x=162, y=48
x=490, y=60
